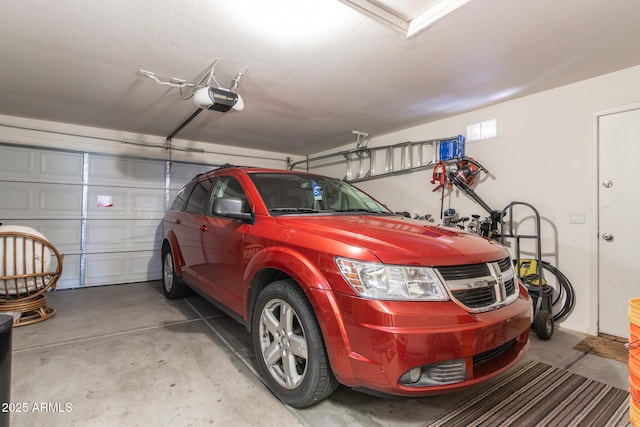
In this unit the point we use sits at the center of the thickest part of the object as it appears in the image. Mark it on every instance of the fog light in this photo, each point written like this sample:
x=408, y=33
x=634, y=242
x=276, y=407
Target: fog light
x=449, y=372
x=411, y=377
x=415, y=374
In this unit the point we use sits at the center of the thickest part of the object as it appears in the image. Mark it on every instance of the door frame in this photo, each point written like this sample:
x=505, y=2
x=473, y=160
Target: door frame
x=594, y=228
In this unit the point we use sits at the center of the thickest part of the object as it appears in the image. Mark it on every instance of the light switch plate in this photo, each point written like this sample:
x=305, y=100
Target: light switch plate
x=577, y=218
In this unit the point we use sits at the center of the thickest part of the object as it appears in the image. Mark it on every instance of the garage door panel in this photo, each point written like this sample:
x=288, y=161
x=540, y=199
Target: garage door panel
x=122, y=267
x=15, y=199
x=128, y=203
x=39, y=200
x=63, y=234
x=18, y=163
x=146, y=264
x=70, y=272
x=182, y=173
x=123, y=235
x=125, y=207
x=103, y=212
x=107, y=170
x=61, y=166
x=57, y=199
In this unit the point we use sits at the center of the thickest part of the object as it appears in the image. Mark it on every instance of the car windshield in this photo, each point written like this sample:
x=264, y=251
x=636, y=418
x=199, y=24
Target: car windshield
x=287, y=193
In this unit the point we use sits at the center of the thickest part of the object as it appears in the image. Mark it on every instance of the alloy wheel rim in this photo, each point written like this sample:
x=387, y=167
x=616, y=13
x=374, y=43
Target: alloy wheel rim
x=283, y=343
x=168, y=273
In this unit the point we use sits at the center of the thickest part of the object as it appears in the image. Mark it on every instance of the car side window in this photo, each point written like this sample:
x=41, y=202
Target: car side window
x=180, y=202
x=228, y=186
x=199, y=197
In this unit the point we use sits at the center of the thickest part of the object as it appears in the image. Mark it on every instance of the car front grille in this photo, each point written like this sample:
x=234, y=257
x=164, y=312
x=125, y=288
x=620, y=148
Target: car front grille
x=469, y=271
x=481, y=287
x=477, y=297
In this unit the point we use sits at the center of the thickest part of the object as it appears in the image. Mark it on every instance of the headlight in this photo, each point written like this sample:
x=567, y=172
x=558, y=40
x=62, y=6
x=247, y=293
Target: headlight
x=394, y=282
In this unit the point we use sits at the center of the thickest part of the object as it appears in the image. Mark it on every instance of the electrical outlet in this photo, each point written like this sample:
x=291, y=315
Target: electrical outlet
x=577, y=218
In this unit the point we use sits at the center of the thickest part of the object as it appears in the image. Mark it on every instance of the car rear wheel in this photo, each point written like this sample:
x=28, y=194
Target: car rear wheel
x=289, y=347
x=171, y=284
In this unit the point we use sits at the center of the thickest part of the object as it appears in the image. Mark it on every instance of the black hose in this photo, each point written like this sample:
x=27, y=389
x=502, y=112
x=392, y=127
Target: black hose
x=564, y=289
x=565, y=285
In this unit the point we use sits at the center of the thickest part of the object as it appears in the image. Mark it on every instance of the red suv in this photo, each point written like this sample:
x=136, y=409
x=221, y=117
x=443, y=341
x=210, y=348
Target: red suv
x=335, y=288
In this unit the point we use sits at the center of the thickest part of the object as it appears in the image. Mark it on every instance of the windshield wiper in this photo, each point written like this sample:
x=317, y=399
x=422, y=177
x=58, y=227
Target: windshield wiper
x=365, y=210
x=297, y=210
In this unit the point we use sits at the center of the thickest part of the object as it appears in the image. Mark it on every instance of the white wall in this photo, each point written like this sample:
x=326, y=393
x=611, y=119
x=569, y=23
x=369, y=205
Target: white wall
x=544, y=155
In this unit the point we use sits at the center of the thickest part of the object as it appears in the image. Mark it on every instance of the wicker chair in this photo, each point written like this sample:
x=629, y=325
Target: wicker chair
x=29, y=266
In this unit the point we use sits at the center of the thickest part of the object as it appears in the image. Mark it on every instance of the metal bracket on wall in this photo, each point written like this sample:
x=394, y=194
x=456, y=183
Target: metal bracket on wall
x=367, y=163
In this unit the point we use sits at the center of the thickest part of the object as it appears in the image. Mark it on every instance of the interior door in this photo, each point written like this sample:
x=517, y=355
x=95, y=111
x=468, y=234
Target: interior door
x=619, y=209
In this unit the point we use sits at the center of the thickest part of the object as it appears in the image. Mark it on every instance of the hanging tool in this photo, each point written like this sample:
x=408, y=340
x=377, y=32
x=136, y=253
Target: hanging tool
x=439, y=175
x=465, y=174
x=468, y=168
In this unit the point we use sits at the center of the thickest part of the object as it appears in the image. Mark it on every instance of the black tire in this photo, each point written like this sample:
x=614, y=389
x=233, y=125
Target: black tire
x=172, y=286
x=543, y=324
x=291, y=355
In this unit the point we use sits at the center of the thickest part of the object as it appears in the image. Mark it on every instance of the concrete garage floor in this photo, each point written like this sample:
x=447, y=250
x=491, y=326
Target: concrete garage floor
x=125, y=356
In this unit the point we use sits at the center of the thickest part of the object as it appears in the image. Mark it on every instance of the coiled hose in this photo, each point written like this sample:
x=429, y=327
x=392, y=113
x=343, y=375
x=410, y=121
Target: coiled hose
x=563, y=293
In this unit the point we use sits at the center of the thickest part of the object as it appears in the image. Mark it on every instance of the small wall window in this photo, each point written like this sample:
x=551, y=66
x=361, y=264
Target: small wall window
x=483, y=130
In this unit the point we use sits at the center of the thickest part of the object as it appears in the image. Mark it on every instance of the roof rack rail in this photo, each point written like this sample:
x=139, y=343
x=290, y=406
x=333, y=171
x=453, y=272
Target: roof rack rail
x=224, y=166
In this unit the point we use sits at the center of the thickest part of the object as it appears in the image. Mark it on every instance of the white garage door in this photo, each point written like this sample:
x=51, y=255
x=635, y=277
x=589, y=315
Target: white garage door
x=103, y=212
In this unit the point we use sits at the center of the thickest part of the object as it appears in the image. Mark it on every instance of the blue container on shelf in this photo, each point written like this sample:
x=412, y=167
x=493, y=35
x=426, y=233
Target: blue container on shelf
x=452, y=148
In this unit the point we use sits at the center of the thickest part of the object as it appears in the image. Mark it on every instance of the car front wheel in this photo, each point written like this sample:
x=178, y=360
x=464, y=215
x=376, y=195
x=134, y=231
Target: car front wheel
x=289, y=347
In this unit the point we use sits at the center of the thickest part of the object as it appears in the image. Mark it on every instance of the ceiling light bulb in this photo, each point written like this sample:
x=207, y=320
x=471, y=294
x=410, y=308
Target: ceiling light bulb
x=239, y=105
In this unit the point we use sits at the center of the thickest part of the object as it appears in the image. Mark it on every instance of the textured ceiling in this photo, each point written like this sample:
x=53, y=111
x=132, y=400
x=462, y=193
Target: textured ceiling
x=311, y=79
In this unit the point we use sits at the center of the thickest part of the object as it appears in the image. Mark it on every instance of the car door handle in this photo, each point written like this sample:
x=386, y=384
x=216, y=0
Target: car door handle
x=203, y=227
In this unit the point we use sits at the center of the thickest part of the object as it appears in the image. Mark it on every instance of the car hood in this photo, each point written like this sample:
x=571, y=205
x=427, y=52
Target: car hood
x=394, y=239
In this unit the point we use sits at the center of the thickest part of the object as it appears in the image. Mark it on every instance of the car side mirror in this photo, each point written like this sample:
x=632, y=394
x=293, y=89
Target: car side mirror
x=230, y=207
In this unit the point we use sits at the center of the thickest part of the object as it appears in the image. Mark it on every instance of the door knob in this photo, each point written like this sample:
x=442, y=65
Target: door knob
x=607, y=236
x=607, y=183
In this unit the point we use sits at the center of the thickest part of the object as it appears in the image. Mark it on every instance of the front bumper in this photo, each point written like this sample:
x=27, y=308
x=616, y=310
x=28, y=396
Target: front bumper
x=382, y=340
